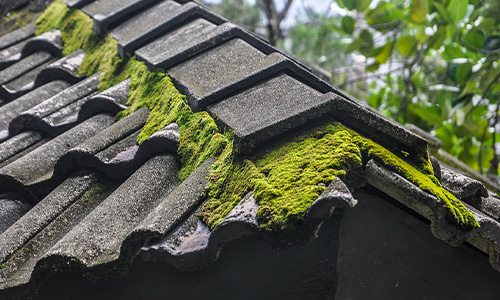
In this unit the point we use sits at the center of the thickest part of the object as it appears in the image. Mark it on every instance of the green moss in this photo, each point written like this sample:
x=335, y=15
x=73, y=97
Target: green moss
x=423, y=177
x=94, y=191
x=3, y=266
x=286, y=180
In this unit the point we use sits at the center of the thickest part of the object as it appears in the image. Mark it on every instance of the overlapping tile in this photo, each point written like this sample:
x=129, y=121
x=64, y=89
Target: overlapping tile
x=155, y=21
x=105, y=13
x=59, y=143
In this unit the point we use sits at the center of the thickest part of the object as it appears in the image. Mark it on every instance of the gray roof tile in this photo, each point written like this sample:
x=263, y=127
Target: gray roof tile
x=269, y=109
x=17, y=36
x=107, y=12
x=60, y=143
x=153, y=22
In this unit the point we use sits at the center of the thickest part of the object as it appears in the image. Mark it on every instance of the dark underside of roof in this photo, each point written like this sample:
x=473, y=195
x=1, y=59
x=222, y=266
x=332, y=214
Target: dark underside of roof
x=77, y=193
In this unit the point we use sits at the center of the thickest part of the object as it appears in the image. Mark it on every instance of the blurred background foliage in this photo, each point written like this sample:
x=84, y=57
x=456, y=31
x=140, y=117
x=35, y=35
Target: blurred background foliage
x=431, y=63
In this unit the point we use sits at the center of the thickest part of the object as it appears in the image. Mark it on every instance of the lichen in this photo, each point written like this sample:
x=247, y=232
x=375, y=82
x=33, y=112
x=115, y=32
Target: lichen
x=285, y=179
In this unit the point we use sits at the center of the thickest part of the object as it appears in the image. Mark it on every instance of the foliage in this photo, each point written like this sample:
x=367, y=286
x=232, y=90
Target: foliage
x=241, y=12
x=441, y=68
x=317, y=41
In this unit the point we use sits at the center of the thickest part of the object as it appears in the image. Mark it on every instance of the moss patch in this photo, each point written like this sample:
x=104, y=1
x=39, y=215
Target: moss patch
x=200, y=137
x=286, y=180
x=94, y=192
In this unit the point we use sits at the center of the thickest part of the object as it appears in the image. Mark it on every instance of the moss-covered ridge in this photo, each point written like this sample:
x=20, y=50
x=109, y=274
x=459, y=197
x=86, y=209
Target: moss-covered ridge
x=286, y=180
x=200, y=137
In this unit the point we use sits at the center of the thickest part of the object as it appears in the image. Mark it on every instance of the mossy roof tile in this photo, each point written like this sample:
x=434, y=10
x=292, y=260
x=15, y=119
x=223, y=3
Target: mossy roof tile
x=103, y=189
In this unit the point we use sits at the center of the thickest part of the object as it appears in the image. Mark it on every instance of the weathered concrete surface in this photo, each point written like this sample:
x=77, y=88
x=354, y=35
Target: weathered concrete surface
x=161, y=54
x=27, y=64
x=17, y=144
x=38, y=164
x=203, y=77
x=55, y=103
x=246, y=269
x=17, y=35
x=97, y=240
x=62, y=69
x=12, y=109
x=11, y=209
x=269, y=109
x=107, y=12
x=155, y=21
x=463, y=187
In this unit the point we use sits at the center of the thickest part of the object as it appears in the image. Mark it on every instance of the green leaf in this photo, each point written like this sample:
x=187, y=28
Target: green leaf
x=419, y=10
x=372, y=68
x=354, y=45
x=487, y=23
x=458, y=9
x=475, y=39
x=463, y=72
x=384, y=55
x=348, y=24
x=452, y=51
x=443, y=12
x=359, y=5
x=406, y=44
x=437, y=40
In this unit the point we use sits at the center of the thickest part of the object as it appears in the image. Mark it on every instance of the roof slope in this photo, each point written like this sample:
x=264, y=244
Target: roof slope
x=78, y=192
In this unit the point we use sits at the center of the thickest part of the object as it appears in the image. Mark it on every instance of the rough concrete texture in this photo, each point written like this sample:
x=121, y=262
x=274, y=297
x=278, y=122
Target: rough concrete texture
x=210, y=72
x=269, y=109
x=10, y=211
x=491, y=206
x=24, y=83
x=114, y=151
x=155, y=21
x=463, y=187
x=161, y=54
x=81, y=198
x=105, y=13
x=55, y=103
x=17, y=36
x=11, y=55
x=178, y=205
x=18, y=143
x=192, y=39
x=109, y=101
x=25, y=65
x=43, y=213
x=49, y=42
x=147, y=25
x=38, y=164
x=336, y=195
x=97, y=240
x=63, y=69
x=12, y=109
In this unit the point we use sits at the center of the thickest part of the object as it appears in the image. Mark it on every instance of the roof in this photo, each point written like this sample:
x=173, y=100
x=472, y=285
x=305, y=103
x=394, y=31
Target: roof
x=78, y=192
